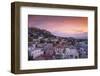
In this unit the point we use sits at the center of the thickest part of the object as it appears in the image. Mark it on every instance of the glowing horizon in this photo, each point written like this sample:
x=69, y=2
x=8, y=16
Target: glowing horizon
x=59, y=25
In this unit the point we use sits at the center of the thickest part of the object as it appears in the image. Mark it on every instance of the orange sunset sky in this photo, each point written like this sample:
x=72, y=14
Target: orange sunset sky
x=65, y=26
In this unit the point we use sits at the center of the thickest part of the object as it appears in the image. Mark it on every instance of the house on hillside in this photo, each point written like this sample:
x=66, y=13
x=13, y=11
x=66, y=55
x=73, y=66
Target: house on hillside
x=71, y=53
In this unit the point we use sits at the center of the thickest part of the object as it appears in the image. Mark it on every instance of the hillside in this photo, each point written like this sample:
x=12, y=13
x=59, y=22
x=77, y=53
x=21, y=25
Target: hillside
x=36, y=33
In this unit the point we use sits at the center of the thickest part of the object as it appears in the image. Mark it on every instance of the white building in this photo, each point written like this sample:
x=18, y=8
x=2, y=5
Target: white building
x=36, y=53
x=71, y=53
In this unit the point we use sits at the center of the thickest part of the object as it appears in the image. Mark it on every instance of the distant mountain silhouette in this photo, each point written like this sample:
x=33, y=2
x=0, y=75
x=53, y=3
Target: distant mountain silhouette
x=82, y=35
x=36, y=33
